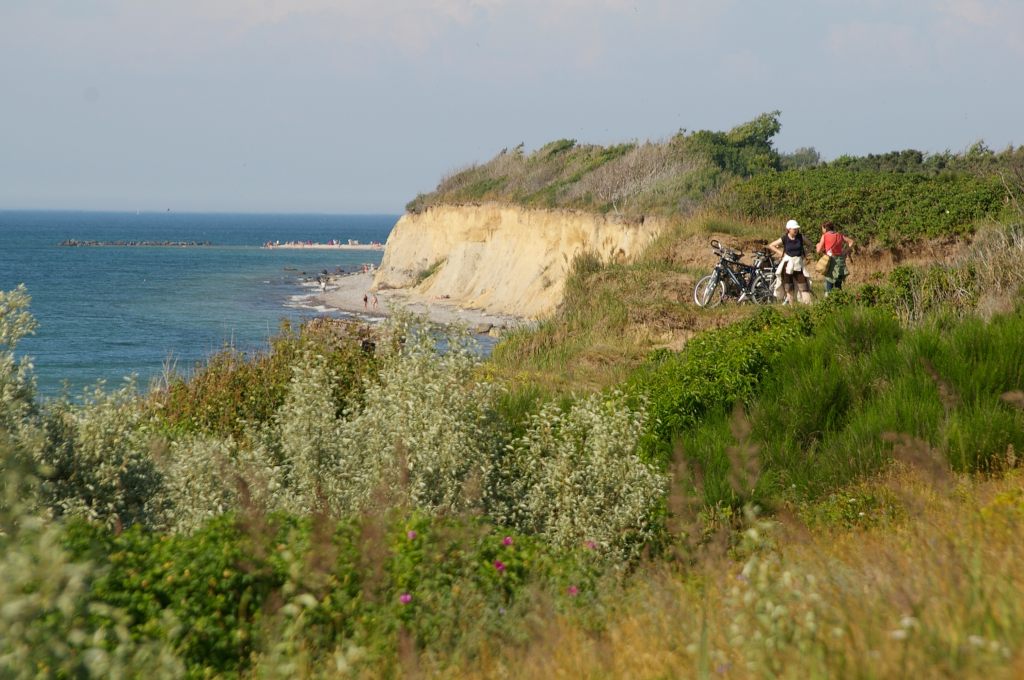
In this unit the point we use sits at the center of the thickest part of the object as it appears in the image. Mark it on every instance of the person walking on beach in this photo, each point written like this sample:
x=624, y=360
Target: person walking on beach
x=365, y=300
x=791, y=270
x=836, y=246
x=375, y=301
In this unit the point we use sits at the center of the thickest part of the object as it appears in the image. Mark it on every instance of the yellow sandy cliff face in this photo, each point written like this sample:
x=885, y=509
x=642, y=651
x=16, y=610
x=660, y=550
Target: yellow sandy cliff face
x=503, y=260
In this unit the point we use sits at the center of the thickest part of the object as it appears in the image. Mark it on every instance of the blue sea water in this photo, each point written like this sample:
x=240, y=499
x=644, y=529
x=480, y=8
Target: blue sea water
x=106, y=312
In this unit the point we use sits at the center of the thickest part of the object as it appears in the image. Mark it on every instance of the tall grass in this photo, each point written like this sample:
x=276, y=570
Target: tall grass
x=938, y=594
x=823, y=413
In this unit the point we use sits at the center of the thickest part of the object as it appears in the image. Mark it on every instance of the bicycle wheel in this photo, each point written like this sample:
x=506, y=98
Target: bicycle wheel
x=763, y=290
x=709, y=291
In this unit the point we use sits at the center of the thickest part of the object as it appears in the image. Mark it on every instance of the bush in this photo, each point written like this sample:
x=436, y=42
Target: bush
x=890, y=208
x=715, y=370
x=17, y=387
x=98, y=462
x=232, y=391
x=50, y=625
x=422, y=426
x=247, y=593
x=456, y=582
x=208, y=594
x=575, y=477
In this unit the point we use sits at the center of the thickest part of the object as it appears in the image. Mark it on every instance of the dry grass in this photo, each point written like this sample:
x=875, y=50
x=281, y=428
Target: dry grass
x=941, y=594
x=613, y=315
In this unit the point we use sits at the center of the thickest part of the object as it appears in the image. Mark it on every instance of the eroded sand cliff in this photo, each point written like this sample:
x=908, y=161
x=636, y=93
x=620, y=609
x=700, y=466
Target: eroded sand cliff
x=503, y=260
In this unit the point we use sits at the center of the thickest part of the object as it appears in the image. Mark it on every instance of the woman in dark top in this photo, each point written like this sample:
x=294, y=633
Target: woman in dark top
x=790, y=247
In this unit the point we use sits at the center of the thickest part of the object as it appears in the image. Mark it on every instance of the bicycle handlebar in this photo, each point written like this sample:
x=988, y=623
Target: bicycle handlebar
x=725, y=251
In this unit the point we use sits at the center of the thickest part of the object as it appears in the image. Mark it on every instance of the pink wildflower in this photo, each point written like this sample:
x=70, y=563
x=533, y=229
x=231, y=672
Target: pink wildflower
x=500, y=566
x=405, y=598
x=573, y=591
x=411, y=535
x=590, y=545
x=507, y=540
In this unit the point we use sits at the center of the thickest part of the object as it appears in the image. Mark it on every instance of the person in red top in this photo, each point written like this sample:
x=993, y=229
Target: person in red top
x=837, y=247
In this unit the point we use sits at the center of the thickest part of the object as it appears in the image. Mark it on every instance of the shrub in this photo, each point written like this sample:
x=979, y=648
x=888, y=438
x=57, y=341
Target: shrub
x=207, y=594
x=50, y=626
x=98, y=461
x=423, y=425
x=744, y=151
x=205, y=477
x=575, y=476
x=458, y=582
x=17, y=387
x=233, y=391
x=887, y=207
x=427, y=419
x=713, y=372
x=429, y=271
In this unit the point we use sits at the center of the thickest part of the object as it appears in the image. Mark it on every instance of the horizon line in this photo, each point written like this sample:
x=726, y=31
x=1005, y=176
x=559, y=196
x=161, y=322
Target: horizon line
x=168, y=211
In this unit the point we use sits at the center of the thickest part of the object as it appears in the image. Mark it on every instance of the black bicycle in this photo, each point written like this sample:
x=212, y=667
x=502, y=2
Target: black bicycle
x=733, y=279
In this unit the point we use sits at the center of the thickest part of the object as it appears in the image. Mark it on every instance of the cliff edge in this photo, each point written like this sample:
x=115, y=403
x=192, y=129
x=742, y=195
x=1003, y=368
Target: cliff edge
x=502, y=259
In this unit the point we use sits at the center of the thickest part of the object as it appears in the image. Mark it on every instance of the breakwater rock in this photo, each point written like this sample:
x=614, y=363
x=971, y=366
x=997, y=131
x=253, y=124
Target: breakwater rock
x=74, y=243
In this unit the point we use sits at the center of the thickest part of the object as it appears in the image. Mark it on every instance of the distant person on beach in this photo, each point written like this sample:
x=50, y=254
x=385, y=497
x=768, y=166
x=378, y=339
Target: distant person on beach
x=365, y=300
x=791, y=271
x=837, y=246
x=375, y=301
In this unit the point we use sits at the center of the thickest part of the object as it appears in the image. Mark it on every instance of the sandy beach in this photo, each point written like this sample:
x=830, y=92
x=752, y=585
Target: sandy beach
x=323, y=246
x=345, y=293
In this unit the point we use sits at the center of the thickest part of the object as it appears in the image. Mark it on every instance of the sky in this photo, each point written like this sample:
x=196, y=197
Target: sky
x=355, y=106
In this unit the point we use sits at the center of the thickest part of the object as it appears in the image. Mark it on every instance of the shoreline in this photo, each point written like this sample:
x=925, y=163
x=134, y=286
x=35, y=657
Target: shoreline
x=345, y=293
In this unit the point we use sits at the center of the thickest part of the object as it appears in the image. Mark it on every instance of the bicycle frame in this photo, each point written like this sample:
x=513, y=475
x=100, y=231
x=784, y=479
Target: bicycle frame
x=731, y=278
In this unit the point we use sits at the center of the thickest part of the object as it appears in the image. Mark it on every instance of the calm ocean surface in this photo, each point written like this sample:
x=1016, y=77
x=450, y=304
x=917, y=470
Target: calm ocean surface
x=106, y=312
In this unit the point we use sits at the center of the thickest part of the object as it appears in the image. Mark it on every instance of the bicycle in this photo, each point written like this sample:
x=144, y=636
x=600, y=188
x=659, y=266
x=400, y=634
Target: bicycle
x=731, y=278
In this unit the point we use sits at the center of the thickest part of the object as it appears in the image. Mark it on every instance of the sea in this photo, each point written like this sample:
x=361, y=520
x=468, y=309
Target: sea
x=105, y=312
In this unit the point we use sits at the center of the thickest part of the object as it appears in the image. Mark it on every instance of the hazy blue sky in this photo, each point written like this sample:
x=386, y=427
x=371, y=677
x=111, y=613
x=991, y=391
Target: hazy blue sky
x=357, y=105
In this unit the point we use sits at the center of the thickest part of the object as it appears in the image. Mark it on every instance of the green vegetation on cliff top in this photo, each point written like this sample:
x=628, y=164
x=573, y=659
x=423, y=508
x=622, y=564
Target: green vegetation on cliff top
x=892, y=197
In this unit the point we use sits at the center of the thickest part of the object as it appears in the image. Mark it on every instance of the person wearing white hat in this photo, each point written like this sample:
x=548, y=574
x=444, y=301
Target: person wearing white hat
x=791, y=272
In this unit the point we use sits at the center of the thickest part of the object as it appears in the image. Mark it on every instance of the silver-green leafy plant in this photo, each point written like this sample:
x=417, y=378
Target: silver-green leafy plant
x=49, y=626
x=17, y=385
x=575, y=478
x=99, y=460
x=427, y=424
x=423, y=430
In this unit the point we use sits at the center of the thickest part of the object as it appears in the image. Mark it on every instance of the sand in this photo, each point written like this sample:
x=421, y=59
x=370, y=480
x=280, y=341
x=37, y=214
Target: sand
x=345, y=293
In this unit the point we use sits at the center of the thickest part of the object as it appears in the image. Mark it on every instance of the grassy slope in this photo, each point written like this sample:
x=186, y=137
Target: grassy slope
x=903, y=207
